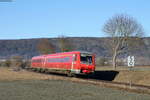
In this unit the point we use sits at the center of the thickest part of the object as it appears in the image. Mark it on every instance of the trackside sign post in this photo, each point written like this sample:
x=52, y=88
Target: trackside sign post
x=131, y=61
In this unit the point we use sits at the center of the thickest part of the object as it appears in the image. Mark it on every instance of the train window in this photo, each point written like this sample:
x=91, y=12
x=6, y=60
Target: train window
x=86, y=59
x=65, y=59
x=37, y=60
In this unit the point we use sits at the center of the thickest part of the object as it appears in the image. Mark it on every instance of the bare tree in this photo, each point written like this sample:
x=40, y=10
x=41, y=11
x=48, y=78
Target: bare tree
x=122, y=28
x=45, y=47
x=65, y=44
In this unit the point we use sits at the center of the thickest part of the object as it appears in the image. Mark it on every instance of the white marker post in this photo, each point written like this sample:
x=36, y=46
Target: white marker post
x=131, y=61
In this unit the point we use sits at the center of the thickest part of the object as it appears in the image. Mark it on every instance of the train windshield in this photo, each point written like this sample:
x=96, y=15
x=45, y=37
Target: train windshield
x=86, y=58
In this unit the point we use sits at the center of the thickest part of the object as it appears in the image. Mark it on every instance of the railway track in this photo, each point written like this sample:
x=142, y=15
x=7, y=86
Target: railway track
x=117, y=85
x=110, y=84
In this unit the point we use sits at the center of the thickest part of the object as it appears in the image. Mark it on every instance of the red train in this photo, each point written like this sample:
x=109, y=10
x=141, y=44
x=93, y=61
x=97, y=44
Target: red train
x=75, y=62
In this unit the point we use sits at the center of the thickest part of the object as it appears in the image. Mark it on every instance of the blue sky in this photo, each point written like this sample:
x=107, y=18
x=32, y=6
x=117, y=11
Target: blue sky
x=22, y=19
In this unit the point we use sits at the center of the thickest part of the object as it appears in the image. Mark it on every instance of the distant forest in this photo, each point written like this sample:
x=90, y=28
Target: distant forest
x=27, y=48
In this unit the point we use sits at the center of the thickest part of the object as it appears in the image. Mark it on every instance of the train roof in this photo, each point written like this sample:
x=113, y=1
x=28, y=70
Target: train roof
x=72, y=52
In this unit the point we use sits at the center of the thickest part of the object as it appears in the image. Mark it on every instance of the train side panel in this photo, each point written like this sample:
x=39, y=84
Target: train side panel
x=75, y=62
x=63, y=62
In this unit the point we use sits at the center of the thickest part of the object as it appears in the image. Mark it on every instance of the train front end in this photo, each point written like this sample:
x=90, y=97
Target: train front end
x=87, y=63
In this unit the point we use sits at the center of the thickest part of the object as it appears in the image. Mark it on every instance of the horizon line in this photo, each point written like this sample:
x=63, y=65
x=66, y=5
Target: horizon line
x=65, y=36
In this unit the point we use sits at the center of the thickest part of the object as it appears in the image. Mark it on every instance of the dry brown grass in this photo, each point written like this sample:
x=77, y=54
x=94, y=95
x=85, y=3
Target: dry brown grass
x=7, y=74
x=138, y=75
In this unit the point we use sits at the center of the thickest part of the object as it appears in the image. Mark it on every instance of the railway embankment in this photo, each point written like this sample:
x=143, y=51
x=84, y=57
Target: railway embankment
x=137, y=75
x=136, y=81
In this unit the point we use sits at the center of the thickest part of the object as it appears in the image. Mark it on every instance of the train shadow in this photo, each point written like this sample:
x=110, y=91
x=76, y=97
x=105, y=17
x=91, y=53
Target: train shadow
x=98, y=75
x=102, y=75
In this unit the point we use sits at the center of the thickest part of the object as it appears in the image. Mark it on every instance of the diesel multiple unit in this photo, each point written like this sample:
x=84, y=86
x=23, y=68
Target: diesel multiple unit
x=75, y=62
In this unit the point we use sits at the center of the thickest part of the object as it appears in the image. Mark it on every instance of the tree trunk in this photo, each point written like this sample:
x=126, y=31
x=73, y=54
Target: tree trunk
x=114, y=60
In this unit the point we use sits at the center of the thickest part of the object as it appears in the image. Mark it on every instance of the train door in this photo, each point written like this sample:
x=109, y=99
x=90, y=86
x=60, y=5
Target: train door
x=74, y=64
x=44, y=62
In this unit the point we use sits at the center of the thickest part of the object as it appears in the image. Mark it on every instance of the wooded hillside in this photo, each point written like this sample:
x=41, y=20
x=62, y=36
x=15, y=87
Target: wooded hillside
x=28, y=47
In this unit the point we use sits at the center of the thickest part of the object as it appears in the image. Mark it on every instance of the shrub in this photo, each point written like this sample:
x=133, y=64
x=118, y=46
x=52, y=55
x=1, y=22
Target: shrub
x=16, y=62
x=102, y=61
x=7, y=63
x=26, y=64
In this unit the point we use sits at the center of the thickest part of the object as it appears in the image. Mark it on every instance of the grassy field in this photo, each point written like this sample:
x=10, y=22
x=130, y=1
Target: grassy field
x=61, y=90
x=25, y=85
